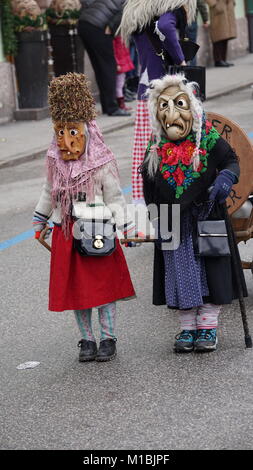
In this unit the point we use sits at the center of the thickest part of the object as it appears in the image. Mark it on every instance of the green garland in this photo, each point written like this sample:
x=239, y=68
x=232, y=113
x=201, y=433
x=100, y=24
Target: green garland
x=27, y=23
x=175, y=158
x=8, y=29
x=66, y=17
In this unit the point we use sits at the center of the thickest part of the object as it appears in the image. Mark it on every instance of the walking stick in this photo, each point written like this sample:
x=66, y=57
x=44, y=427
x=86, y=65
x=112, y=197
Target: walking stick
x=231, y=236
x=136, y=240
x=122, y=240
x=42, y=238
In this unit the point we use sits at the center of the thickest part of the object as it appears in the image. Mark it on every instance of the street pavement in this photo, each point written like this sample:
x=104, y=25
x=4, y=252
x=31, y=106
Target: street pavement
x=147, y=398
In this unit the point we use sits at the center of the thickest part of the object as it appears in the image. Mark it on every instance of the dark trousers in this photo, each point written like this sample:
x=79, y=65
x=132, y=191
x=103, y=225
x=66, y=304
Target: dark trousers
x=220, y=50
x=99, y=47
x=191, y=33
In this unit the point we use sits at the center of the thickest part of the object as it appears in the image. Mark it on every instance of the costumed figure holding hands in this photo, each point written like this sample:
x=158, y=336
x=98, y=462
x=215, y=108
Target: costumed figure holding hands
x=188, y=163
x=83, y=198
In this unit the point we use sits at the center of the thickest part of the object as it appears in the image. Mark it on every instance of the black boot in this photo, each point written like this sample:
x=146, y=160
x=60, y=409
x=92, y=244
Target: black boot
x=107, y=350
x=88, y=350
x=221, y=63
x=120, y=112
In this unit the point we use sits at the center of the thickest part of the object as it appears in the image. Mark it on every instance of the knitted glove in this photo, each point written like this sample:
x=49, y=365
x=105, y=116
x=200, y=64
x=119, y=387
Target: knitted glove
x=48, y=232
x=40, y=222
x=222, y=186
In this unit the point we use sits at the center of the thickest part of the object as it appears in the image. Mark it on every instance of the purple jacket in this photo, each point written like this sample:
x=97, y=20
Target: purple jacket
x=151, y=65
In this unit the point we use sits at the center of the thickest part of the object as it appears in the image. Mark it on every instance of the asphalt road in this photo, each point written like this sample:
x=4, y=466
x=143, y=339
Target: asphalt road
x=148, y=398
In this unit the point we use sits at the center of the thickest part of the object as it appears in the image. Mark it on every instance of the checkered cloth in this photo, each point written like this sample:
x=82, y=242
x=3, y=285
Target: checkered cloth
x=142, y=133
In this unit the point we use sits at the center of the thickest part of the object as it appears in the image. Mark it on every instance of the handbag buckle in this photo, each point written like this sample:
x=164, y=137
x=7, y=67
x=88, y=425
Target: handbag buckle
x=98, y=242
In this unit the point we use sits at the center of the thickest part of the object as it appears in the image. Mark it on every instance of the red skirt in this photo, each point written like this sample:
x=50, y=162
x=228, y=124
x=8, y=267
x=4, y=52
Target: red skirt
x=78, y=282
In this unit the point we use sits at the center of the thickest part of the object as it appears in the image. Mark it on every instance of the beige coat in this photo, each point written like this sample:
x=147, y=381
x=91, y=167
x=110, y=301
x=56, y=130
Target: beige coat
x=222, y=19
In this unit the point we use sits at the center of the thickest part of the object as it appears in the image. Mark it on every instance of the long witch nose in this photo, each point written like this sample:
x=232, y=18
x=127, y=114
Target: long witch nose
x=170, y=112
x=69, y=141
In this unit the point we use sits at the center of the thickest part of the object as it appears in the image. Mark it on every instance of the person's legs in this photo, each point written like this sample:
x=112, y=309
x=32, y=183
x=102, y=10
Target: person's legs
x=185, y=340
x=142, y=133
x=207, y=323
x=225, y=51
x=120, y=82
x=192, y=32
x=87, y=344
x=99, y=47
x=107, y=319
x=83, y=319
x=219, y=53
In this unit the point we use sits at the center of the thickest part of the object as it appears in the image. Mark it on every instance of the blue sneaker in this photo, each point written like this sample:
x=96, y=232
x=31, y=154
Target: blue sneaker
x=185, y=341
x=206, y=340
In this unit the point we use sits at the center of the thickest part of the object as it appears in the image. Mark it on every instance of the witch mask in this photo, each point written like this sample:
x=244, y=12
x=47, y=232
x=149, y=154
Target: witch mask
x=174, y=113
x=70, y=138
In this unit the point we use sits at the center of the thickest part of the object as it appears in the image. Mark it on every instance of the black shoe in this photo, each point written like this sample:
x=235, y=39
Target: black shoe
x=229, y=64
x=120, y=112
x=221, y=63
x=88, y=350
x=107, y=350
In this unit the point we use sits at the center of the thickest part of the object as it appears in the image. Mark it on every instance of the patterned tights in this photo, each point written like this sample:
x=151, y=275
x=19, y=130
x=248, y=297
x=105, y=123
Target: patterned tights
x=106, y=317
x=204, y=317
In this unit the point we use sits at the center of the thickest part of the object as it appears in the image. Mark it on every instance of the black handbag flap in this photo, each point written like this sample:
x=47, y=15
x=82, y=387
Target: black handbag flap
x=212, y=239
x=91, y=228
x=212, y=228
x=189, y=48
x=95, y=238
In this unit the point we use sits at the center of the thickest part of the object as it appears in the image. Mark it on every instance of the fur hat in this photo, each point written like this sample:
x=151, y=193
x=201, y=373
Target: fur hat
x=70, y=98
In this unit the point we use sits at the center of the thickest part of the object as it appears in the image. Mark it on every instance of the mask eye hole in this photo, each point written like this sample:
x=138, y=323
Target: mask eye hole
x=61, y=132
x=182, y=103
x=163, y=105
x=73, y=132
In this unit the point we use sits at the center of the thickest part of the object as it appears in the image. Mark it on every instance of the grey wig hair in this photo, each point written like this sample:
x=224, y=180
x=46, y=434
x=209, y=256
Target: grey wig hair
x=156, y=88
x=137, y=14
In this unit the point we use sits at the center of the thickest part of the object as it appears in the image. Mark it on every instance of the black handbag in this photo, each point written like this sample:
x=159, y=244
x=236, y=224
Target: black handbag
x=189, y=48
x=193, y=73
x=212, y=238
x=95, y=238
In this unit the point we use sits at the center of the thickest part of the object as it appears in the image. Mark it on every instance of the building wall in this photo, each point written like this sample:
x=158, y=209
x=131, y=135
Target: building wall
x=239, y=8
x=1, y=46
x=7, y=95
